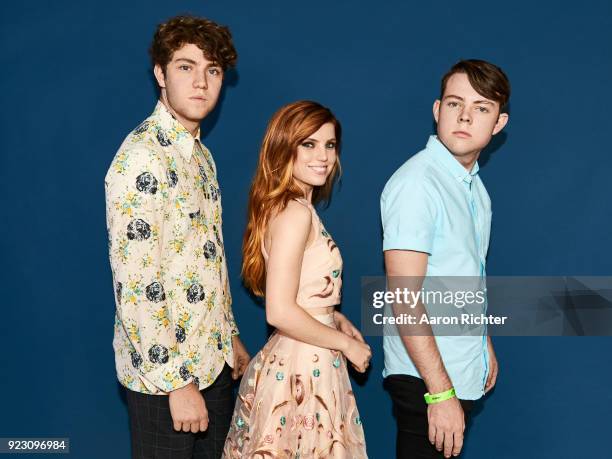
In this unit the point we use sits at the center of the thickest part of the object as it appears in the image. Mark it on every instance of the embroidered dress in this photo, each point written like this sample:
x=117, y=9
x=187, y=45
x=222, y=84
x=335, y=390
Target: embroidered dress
x=295, y=399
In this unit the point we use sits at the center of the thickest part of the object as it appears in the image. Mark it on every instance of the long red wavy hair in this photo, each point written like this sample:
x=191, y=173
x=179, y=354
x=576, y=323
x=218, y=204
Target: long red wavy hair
x=273, y=186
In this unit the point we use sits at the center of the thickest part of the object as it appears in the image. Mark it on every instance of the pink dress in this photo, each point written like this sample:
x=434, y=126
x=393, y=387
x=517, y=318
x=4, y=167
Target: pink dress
x=295, y=399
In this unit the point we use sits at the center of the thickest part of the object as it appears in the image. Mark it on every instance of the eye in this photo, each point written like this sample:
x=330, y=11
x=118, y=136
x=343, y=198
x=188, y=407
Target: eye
x=185, y=67
x=330, y=145
x=214, y=71
x=308, y=144
x=452, y=104
x=483, y=109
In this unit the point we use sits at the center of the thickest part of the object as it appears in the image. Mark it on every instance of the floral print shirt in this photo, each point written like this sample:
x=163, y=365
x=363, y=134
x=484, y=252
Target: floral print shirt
x=174, y=322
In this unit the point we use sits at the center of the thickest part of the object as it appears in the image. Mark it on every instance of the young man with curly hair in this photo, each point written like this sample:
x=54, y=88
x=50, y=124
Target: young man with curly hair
x=176, y=342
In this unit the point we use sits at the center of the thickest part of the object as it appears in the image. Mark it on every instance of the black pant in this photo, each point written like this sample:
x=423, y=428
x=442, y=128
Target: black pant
x=153, y=434
x=410, y=412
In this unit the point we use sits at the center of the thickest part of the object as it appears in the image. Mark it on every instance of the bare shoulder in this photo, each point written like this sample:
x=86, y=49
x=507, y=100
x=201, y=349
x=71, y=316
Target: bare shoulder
x=295, y=219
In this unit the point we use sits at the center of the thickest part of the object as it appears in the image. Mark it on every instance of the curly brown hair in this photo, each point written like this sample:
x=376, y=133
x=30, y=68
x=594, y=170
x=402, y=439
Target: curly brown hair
x=213, y=39
x=486, y=78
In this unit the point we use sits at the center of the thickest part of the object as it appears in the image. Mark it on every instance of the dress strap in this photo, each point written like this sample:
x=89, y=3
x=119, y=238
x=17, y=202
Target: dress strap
x=304, y=202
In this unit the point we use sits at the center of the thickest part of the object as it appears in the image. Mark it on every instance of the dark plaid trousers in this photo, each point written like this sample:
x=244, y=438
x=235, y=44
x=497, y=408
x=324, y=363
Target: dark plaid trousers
x=153, y=434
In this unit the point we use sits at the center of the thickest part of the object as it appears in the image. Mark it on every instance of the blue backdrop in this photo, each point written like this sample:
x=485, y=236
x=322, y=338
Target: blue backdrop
x=76, y=80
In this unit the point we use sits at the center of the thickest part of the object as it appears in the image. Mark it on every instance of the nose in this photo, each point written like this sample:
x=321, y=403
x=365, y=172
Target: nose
x=464, y=116
x=200, y=80
x=322, y=153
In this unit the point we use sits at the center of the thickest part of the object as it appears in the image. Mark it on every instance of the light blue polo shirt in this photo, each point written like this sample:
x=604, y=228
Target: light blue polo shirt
x=433, y=204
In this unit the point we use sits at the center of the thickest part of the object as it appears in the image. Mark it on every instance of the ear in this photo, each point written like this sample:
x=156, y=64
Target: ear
x=436, y=110
x=159, y=76
x=502, y=120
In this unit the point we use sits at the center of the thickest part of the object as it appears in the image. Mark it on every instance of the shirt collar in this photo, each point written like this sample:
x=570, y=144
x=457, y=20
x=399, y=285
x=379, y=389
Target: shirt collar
x=174, y=131
x=440, y=153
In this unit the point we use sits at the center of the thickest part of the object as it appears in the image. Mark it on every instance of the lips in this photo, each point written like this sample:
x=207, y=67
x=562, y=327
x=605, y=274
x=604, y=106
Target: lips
x=321, y=170
x=462, y=134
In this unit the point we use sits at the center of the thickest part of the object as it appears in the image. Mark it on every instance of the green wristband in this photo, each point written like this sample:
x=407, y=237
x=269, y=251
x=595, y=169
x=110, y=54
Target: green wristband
x=430, y=399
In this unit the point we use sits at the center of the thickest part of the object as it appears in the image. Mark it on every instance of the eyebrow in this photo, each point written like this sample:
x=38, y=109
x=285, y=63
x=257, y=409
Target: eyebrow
x=484, y=101
x=184, y=59
x=310, y=139
x=191, y=61
x=451, y=96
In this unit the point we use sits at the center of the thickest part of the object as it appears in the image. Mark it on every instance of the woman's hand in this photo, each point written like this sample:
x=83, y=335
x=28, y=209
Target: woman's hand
x=346, y=327
x=359, y=354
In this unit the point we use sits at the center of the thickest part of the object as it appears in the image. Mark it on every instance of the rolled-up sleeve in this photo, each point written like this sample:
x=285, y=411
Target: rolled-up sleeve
x=408, y=212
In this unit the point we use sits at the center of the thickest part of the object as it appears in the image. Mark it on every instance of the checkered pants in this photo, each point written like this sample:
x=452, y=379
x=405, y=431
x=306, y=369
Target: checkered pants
x=153, y=434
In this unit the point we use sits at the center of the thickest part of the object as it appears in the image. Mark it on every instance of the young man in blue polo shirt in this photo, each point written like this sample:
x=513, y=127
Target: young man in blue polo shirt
x=436, y=217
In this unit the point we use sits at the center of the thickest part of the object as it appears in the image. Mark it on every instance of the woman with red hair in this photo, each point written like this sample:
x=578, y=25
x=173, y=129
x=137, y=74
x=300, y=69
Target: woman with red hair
x=295, y=399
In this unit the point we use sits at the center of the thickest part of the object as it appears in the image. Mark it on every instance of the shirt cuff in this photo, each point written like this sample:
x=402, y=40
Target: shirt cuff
x=172, y=375
x=400, y=242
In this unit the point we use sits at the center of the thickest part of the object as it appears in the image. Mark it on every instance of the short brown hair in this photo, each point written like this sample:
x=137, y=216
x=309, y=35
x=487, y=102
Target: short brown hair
x=487, y=79
x=213, y=39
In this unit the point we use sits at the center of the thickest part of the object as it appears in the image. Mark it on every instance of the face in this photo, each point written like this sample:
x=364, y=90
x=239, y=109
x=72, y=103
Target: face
x=190, y=86
x=466, y=120
x=316, y=157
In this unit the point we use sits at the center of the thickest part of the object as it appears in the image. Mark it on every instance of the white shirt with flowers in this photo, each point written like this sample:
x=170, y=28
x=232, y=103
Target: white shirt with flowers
x=174, y=322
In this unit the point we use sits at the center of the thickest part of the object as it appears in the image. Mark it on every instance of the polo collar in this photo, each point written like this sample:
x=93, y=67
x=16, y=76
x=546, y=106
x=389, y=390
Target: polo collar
x=172, y=132
x=440, y=153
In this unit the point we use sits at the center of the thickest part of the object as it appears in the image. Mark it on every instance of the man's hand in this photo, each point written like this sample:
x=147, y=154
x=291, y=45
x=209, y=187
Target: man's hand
x=346, y=327
x=493, y=367
x=446, y=426
x=188, y=409
x=241, y=357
